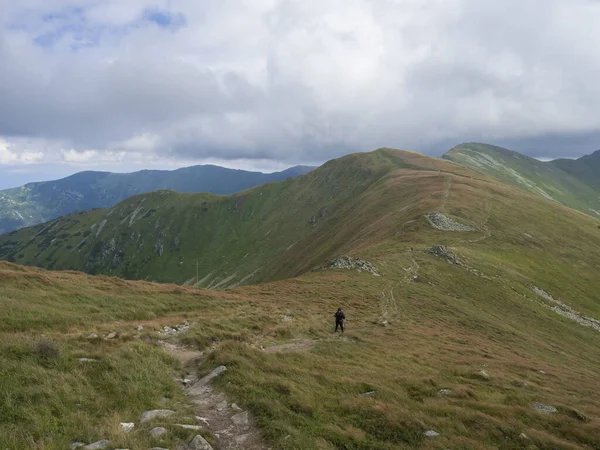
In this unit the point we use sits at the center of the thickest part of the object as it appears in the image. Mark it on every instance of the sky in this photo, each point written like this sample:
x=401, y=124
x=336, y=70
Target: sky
x=266, y=84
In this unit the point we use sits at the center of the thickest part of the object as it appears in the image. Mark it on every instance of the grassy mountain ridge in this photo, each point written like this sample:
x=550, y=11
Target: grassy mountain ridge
x=548, y=179
x=161, y=235
x=35, y=203
x=586, y=168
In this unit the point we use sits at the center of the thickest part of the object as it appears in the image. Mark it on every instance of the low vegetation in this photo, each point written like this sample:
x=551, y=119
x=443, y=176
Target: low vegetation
x=467, y=350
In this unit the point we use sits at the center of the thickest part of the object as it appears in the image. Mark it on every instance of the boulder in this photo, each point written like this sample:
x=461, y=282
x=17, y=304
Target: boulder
x=111, y=335
x=127, y=426
x=158, y=432
x=241, y=419
x=444, y=392
x=206, y=379
x=199, y=443
x=152, y=414
x=75, y=445
x=92, y=336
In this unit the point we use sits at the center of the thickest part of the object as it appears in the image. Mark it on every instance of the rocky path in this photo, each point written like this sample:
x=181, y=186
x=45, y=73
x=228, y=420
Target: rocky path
x=232, y=427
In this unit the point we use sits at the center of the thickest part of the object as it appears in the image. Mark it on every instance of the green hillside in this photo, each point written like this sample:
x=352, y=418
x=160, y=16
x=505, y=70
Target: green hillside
x=483, y=325
x=586, y=168
x=39, y=202
x=572, y=183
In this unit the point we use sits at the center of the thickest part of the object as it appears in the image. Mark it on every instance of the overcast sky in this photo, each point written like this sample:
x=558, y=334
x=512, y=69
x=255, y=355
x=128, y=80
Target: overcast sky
x=265, y=84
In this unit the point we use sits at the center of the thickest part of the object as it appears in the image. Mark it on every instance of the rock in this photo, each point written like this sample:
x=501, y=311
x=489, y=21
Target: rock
x=444, y=392
x=541, y=372
x=241, y=419
x=199, y=443
x=483, y=374
x=139, y=328
x=431, y=434
x=235, y=407
x=441, y=251
x=87, y=360
x=196, y=388
x=345, y=262
x=154, y=413
x=158, y=432
x=75, y=445
x=92, y=336
x=368, y=394
x=175, y=330
x=548, y=409
x=440, y=222
x=111, y=335
x=190, y=427
x=521, y=383
x=127, y=426
x=99, y=445
x=523, y=436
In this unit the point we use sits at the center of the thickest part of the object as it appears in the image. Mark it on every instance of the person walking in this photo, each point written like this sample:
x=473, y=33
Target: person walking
x=339, y=320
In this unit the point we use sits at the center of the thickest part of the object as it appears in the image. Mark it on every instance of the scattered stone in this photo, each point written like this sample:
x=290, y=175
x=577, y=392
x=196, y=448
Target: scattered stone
x=440, y=222
x=97, y=445
x=92, y=336
x=431, y=434
x=206, y=379
x=222, y=406
x=175, y=330
x=158, y=432
x=566, y=311
x=541, y=372
x=345, y=262
x=444, y=392
x=235, y=407
x=286, y=318
x=111, y=335
x=523, y=436
x=127, y=426
x=154, y=413
x=548, y=409
x=190, y=427
x=139, y=328
x=199, y=443
x=443, y=252
x=241, y=419
x=87, y=360
x=75, y=445
x=368, y=394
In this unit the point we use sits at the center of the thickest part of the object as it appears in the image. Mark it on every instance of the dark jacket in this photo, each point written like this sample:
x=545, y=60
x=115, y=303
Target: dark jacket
x=339, y=316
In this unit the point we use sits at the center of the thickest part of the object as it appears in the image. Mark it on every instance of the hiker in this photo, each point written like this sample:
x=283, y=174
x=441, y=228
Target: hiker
x=339, y=320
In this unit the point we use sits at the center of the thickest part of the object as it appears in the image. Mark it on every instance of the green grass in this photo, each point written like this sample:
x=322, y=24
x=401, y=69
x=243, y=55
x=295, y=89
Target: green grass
x=443, y=327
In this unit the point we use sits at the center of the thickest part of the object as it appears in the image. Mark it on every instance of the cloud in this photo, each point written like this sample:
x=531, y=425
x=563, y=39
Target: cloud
x=87, y=82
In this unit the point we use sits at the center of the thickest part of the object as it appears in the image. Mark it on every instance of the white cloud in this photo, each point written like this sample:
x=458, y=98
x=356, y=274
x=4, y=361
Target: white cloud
x=292, y=81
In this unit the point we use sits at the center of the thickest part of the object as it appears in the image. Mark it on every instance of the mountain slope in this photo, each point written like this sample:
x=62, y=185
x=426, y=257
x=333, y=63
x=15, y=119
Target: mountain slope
x=586, y=168
x=39, y=202
x=492, y=342
x=547, y=179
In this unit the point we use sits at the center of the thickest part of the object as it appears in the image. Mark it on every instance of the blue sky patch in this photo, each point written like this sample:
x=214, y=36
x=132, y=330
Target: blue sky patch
x=164, y=19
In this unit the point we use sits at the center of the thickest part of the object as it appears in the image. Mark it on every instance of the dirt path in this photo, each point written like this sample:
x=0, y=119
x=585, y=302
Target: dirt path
x=232, y=427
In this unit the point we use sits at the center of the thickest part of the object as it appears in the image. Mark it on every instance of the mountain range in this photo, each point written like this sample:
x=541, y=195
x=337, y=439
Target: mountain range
x=39, y=202
x=473, y=316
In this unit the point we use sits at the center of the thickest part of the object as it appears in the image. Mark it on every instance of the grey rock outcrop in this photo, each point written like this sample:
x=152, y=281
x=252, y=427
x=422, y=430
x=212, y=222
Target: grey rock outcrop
x=345, y=262
x=154, y=413
x=548, y=409
x=198, y=385
x=443, y=223
x=441, y=251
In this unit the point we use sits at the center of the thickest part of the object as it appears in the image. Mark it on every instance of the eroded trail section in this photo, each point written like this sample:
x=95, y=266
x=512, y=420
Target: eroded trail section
x=232, y=427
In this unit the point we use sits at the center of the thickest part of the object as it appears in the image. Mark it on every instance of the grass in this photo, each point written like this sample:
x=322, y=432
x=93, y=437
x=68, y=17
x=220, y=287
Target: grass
x=425, y=325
